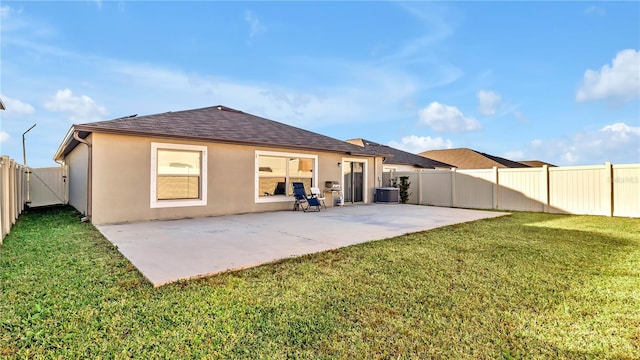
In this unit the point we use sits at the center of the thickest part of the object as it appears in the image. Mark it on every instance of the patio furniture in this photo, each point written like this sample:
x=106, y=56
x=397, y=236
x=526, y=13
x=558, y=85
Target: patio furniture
x=315, y=192
x=301, y=198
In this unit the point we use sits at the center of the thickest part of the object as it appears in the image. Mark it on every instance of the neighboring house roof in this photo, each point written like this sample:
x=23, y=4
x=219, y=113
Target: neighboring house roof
x=399, y=157
x=464, y=158
x=1, y=105
x=536, y=163
x=216, y=124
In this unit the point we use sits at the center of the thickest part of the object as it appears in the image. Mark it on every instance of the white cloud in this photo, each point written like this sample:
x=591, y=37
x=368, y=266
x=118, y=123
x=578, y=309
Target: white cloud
x=514, y=155
x=255, y=26
x=4, y=11
x=16, y=107
x=80, y=108
x=445, y=118
x=622, y=128
x=622, y=133
x=489, y=102
x=618, y=82
x=416, y=144
x=618, y=143
x=594, y=10
x=4, y=136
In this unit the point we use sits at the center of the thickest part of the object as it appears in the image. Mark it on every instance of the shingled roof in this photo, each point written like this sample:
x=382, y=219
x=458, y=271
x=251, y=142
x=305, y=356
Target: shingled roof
x=465, y=158
x=536, y=163
x=399, y=157
x=214, y=124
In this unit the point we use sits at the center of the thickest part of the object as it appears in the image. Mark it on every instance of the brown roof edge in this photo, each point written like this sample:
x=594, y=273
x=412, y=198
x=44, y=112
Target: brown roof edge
x=62, y=149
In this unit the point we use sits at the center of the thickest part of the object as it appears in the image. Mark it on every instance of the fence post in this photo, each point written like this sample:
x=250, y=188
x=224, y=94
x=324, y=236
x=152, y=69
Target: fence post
x=419, y=187
x=495, y=187
x=544, y=191
x=12, y=192
x=22, y=189
x=2, y=197
x=608, y=188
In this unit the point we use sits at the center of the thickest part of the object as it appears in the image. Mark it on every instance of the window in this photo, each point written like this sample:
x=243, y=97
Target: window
x=276, y=171
x=178, y=175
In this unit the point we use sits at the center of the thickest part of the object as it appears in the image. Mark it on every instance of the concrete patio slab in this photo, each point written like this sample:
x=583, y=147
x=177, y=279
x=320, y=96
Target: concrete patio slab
x=171, y=250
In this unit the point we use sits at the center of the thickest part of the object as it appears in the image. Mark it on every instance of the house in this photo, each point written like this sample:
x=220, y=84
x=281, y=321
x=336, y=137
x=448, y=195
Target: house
x=464, y=158
x=536, y=163
x=204, y=162
x=398, y=160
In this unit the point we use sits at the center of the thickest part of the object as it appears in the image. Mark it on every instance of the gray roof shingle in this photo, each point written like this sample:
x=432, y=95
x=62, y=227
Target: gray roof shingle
x=220, y=124
x=396, y=156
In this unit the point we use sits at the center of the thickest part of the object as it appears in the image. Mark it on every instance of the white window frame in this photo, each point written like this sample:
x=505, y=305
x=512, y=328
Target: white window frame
x=286, y=198
x=154, y=202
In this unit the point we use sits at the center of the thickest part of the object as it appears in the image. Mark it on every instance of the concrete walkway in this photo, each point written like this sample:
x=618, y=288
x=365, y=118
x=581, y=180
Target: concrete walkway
x=167, y=251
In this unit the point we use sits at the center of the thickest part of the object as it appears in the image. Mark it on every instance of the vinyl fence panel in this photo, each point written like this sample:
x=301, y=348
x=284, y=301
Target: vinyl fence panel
x=475, y=189
x=11, y=194
x=4, y=200
x=522, y=189
x=437, y=188
x=626, y=190
x=608, y=190
x=48, y=186
x=582, y=190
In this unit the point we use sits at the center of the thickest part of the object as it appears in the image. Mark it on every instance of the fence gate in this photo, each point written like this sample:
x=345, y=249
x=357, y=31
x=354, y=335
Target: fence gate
x=47, y=186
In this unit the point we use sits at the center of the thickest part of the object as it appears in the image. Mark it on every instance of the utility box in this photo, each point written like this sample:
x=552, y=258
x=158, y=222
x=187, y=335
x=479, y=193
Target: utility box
x=387, y=195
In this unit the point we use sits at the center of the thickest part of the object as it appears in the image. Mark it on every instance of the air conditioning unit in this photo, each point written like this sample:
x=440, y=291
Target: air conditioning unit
x=388, y=195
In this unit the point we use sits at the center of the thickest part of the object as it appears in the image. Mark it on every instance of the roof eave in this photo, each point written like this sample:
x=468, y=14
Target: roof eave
x=65, y=143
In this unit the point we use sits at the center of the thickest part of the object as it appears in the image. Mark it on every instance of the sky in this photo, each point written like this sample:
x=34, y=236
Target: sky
x=551, y=81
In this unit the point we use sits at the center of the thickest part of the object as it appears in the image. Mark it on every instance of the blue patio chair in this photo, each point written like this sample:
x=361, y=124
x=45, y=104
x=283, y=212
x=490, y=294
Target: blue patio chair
x=301, y=198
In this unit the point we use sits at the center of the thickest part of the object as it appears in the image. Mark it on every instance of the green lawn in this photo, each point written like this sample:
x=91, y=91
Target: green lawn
x=521, y=286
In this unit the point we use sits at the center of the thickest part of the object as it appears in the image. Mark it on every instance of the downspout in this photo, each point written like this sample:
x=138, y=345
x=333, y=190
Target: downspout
x=89, y=172
x=375, y=177
x=375, y=171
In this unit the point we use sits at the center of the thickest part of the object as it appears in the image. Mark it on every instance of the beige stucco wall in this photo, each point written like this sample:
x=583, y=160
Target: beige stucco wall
x=77, y=160
x=122, y=179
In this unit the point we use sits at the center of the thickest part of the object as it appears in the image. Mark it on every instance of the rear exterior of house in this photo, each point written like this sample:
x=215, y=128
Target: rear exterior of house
x=190, y=164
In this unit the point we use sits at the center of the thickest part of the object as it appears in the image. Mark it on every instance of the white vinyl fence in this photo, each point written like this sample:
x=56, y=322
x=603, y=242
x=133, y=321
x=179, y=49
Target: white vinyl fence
x=21, y=186
x=12, y=180
x=608, y=190
x=48, y=186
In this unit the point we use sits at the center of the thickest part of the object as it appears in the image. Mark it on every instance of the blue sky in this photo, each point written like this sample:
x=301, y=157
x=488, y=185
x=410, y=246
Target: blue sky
x=554, y=81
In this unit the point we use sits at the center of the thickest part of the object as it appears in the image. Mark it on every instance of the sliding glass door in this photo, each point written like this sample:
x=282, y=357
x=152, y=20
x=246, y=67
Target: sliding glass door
x=353, y=181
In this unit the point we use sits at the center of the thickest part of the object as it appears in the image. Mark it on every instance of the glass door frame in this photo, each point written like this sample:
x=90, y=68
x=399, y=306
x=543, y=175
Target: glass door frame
x=365, y=171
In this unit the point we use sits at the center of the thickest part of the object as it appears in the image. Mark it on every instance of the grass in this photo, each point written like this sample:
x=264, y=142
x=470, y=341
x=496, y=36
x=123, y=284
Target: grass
x=521, y=286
